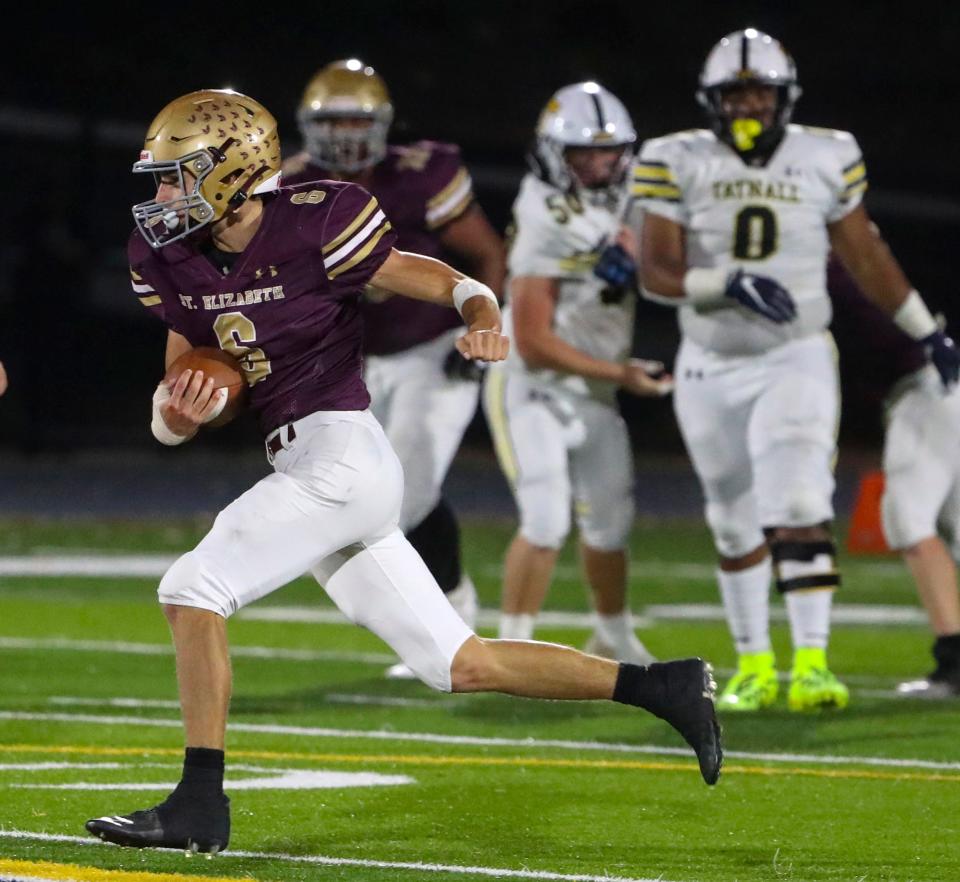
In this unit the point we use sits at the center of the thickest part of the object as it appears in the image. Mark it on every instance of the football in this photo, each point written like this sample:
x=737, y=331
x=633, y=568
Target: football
x=226, y=372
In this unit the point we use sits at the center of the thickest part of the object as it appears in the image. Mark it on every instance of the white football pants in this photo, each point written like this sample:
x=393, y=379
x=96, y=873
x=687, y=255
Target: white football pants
x=921, y=462
x=761, y=432
x=560, y=451
x=331, y=507
x=424, y=414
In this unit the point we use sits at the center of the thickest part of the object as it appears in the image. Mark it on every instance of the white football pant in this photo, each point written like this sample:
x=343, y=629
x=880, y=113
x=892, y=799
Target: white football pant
x=424, y=414
x=560, y=451
x=331, y=507
x=921, y=462
x=761, y=432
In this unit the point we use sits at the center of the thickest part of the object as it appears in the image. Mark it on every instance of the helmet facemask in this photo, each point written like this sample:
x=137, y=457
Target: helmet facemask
x=745, y=134
x=164, y=222
x=343, y=148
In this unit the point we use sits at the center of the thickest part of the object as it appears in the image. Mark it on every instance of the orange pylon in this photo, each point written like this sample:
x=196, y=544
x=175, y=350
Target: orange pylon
x=866, y=531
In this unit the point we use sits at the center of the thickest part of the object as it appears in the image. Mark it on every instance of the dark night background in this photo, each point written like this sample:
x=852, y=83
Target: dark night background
x=77, y=94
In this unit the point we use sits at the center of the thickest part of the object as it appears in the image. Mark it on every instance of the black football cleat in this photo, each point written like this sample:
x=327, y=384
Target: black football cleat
x=685, y=701
x=193, y=828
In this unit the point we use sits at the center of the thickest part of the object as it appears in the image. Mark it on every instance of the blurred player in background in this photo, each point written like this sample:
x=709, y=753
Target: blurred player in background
x=225, y=257
x=921, y=463
x=3, y=379
x=552, y=405
x=739, y=221
x=423, y=392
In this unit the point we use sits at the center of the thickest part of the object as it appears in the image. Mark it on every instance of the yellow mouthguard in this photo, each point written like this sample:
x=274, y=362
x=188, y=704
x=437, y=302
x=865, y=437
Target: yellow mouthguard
x=745, y=133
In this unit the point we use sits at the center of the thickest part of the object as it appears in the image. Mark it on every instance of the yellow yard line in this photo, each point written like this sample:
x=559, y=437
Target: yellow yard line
x=76, y=873
x=505, y=761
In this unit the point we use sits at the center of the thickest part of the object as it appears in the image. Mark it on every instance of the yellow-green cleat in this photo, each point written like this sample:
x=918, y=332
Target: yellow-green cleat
x=812, y=685
x=753, y=687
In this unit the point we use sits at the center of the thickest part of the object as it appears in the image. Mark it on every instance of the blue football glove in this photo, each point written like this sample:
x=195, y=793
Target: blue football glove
x=615, y=266
x=763, y=295
x=942, y=351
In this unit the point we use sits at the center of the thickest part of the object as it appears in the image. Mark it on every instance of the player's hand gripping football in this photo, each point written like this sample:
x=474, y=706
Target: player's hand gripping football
x=645, y=378
x=189, y=403
x=762, y=295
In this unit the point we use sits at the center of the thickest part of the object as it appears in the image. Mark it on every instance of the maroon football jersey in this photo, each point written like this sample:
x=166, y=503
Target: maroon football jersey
x=421, y=187
x=882, y=352
x=289, y=308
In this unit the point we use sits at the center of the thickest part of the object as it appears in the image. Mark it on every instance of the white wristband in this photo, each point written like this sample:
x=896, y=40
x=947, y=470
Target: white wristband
x=467, y=288
x=705, y=287
x=913, y=317
x=161, y=431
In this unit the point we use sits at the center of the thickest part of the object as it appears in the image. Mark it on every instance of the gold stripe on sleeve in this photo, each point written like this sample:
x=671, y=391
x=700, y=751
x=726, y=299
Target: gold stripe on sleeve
x=362, y=253
x=448, y=191
x=154, y=300
x=352, y=228
x=653, y=171
x=858, y=171
x=454, y=212
x=656, y=191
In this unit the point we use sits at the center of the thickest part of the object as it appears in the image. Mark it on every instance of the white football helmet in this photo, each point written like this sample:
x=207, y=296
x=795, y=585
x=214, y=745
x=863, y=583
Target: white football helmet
x=748, y=56
x=582, y=115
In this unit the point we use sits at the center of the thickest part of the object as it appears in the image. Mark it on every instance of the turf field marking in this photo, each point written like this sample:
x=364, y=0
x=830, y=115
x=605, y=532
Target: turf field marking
x=480, y=741
x=841, y=614
x=155, y=565
x=420, y=760
x=321, y=860
x=329, y=697
x=261, y=652
x=45, y=871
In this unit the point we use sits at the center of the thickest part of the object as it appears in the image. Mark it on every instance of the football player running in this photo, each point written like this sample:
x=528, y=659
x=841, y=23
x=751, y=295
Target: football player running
x=552, y=405
x=423, y=391
x=739, y=221
x=921, y=498
x=225, y=257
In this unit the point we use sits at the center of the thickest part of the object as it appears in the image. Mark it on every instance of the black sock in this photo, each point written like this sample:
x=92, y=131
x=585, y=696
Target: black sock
x=437, y=540
x=634, y=686
x=202, y=774
x=946, y=650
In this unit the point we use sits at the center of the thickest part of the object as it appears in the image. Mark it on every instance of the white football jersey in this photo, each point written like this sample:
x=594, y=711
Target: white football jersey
x=559, y=236
x=771, y=220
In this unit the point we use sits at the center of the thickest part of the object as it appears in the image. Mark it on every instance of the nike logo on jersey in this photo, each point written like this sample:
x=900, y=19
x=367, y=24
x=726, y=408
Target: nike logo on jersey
x=746, y=188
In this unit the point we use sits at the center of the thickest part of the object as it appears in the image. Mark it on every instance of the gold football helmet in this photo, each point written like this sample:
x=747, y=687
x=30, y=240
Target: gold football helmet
x=221, y=146
x=345, y=90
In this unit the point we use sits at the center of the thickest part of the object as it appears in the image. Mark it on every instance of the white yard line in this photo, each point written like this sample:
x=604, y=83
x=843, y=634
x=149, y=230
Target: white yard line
x=842, y=614
x=327, y=698
x=261, y=652
x=479, y=741
x=322, y=860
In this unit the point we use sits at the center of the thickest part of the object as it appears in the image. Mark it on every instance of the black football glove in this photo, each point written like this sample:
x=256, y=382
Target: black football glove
x=942, y=351
x=762, y=295
x=456, y=367
x=615, y=266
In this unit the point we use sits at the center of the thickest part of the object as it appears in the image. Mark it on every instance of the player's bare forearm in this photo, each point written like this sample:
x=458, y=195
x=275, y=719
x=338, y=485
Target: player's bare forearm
x=417, y=276
x=533, y=299
x=481, y=314
x=177, y=344
x=662, y=257
x=472, y=237
x=868, y=259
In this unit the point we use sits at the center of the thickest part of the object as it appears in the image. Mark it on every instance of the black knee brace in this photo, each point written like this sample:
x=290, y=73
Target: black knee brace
x=805, y=566
x=437, y=540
